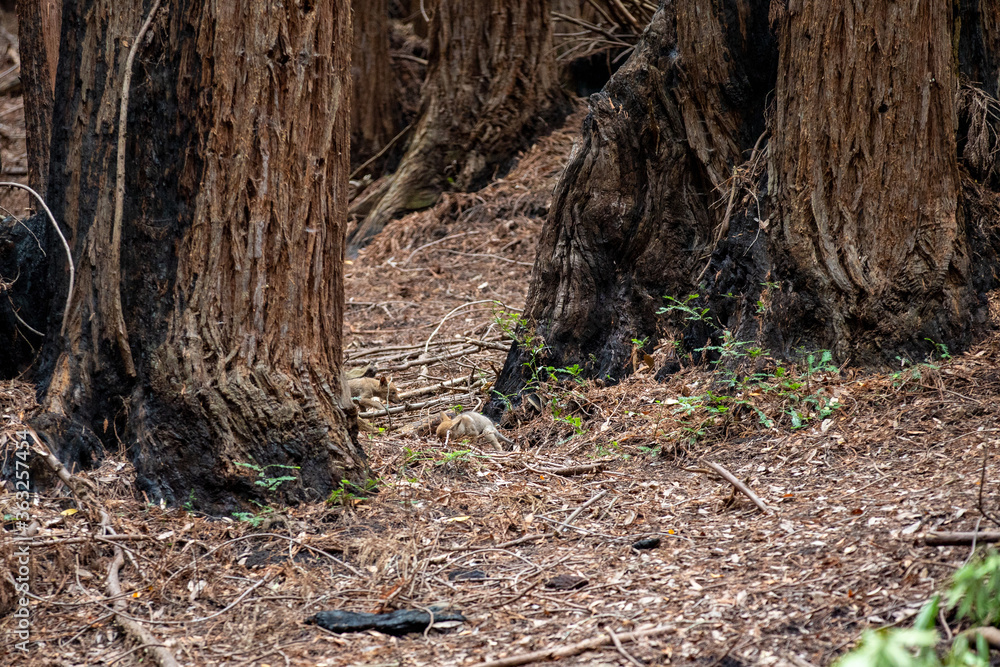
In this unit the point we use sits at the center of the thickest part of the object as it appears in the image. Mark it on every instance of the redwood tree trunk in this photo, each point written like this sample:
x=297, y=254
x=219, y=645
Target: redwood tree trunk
x=491, y=86
x=39, y=24
x=375, y=112
x=799, y=170
x=865, y=177
x=229, y=279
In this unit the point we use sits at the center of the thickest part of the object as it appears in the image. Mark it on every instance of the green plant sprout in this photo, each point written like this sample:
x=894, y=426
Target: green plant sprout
x=269, y=483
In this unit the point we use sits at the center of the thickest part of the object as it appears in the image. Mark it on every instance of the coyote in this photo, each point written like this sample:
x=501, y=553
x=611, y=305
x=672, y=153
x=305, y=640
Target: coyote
x=471, y=424
x=373, y=392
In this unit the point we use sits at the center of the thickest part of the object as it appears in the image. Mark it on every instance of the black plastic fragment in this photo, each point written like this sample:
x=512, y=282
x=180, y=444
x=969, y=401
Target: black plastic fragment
x=648, y=543
x=394, y=623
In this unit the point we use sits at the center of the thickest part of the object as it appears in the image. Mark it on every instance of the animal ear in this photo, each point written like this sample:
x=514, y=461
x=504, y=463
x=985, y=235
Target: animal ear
x=382, y=381
x=444, y=416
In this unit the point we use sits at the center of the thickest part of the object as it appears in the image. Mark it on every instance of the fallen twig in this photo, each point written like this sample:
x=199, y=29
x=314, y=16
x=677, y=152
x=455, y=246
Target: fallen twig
x=411, y=407
x=81, y=488
x=575, y=470
x=573, y=649
x=489, y=344
x=29, y=542
x=569, y=520
x=156, y=648
x=621, y=649
x=737, y=484
x=433, y=388
x=941, y=539
x=427, y=361
x=458, y=308
x=362, y=355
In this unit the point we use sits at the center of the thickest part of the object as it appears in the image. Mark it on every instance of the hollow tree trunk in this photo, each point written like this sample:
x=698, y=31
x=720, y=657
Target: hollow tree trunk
x=214, y=337
x=835, y=220
x=375, y=113
x=491, y=86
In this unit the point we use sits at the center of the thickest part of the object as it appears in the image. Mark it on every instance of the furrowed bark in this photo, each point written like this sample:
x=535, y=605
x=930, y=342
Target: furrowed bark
x=232, y=247
x=491, y=87
x=799, y=169
x=632, y=218
x=864, y=172
x=375, y=113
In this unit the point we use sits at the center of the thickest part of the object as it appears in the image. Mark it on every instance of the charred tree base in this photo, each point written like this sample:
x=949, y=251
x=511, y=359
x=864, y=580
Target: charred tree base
x=188, y=440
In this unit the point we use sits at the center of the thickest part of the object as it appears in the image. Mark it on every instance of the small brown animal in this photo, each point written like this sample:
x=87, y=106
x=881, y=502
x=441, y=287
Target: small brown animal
x=471, y=424
x=367, y=390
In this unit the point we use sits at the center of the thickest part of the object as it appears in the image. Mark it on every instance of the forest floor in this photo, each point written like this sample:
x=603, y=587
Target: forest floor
x=535, y=544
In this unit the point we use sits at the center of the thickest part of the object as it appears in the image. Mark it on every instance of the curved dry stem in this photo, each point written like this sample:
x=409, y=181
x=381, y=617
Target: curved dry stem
x=69, y=255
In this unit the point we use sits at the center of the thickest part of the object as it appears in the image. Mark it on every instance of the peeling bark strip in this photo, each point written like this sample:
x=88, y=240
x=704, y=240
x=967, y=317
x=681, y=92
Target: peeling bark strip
x=864, y=170
x=232, y=245
x=491, y=86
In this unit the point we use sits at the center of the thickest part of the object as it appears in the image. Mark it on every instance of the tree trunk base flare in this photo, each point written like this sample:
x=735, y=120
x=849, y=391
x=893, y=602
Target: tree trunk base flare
x=801, y=173
x=491, y=87
x=231, y=276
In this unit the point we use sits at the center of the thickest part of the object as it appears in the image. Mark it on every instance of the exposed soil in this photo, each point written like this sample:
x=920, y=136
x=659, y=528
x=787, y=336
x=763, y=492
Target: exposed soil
x=856, y=468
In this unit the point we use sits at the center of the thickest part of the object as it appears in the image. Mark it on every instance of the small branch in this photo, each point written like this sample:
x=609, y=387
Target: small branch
x=557, y=652
x=441, y=240
x=569, y=520
x=434, y=388
x=69, y=254
x=575, y=470
x=157, y=651
x=361, y=355
x=411, y=407
x=941, y=539
x=381, y=152
x=81, y=488
x=740, y=486
x=80, y=540
x=621, y=649
x=488, y=344
x=427, y=361
x=458, y=308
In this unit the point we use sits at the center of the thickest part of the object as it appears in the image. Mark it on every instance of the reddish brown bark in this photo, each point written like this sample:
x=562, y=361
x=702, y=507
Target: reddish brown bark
x=865, y=173
x=231, y=271
x=800, y=170
x=491, y=86
x=375, y=113
x=39, y=24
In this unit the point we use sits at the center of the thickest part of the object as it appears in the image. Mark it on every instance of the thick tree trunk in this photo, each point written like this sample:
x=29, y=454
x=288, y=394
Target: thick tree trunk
x=375, y=112
x=491, y=86
x=797, y=169
x=212, y=335
x=864, y=175
x=39, y=24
